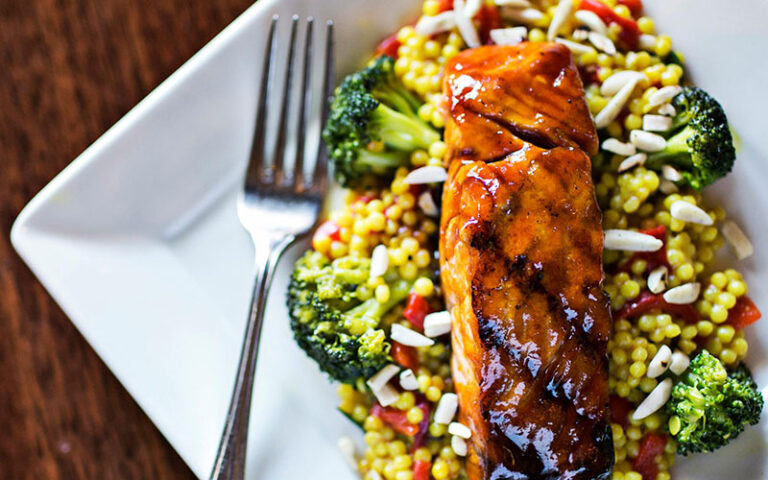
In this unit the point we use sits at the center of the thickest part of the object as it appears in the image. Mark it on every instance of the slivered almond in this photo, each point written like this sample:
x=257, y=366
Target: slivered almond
x=657, y=279
x=667, y=109
x=508, y=36
x=632, y=161
x=526, y=16
x=667, y=187
x=615, y=104
x=379, y=261
x=660, y=362
x=559, y=18
x=615, y=82
x=411, y=338
x=646, y=42
x=513, y=3
x=574, y=47
x=386, y=395
x=615, y=146
x=460, y=430
x=631, y=241
x=738, y=240
x=428, y=174
x=656, y=123
x=464, y=24
x=408, y=380
x=601, y=42
x=671, y=173
x=647, y=141
x=684, y=294
x=471, y=7
x=655, y=400
x=431, y=25
x=690, y=213
x=580, y=34
x=679, y=362
x=663, y=95
x=446, y=408
x=437, y=323
x=380, y=378
x=591, y=20
x=459, y=446
x=427, y=204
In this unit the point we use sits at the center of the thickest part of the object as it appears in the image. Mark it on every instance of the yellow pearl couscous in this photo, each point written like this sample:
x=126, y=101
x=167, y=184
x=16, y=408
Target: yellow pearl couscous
x=637, y=198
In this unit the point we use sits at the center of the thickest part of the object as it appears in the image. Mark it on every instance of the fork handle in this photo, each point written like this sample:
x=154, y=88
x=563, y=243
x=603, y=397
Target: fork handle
x=230, y=457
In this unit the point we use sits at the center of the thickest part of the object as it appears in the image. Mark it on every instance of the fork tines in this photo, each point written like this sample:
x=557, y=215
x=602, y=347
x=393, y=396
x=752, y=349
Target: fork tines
x=265, y=170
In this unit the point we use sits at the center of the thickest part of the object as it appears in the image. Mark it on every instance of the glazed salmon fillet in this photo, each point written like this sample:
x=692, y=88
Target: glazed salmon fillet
x=521, y=265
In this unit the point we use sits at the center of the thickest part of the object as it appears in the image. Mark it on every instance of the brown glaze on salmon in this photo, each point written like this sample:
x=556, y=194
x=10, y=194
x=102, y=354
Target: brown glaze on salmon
x=521, y=266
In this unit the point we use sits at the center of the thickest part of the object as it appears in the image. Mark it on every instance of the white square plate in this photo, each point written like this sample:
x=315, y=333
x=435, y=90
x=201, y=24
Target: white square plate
x=139, y=242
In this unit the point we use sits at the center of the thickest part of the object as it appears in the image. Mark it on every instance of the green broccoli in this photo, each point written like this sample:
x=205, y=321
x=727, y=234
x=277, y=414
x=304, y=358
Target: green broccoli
x=710, y=407
x=674, y=57
x=373, y=125
x=335, y=320
x=700, y=144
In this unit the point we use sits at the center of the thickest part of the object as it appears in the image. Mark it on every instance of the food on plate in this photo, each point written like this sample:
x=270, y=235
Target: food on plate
x=701, y=146
x=710, y=405
x=336, y=318
x=564, y=124
x=374, y=126
x=521, y=265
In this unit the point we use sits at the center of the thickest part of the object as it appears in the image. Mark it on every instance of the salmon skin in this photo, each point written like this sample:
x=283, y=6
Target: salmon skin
x=521, y=265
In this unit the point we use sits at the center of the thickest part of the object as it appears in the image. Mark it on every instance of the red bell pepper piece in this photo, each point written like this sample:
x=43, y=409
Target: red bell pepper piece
x=653, y=259
x=634, y=6
x=744, y=313
x=647, y=302
x=395, y=419
x=388, y=46
x=329, y=229
x=444, y=5
x=489, y=19
x=415, y=310
x=630, y=33
x=416, y=189
x=620, y=408
x=421, y=469
x=404, y=355
x=398, y=421
x=645, y=463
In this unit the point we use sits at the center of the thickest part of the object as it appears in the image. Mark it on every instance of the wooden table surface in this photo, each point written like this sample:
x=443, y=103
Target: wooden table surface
x=69, y=69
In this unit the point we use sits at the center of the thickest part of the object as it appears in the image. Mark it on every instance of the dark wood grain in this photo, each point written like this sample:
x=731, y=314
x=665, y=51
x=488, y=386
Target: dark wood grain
x=68, y=70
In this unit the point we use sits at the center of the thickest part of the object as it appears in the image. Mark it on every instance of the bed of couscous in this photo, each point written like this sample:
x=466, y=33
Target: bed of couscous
x=396, y=226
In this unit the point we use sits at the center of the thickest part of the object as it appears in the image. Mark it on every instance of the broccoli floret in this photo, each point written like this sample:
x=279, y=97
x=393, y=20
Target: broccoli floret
x=700, y=144
x=710, y=407
x=373, y=125
x=333, y=319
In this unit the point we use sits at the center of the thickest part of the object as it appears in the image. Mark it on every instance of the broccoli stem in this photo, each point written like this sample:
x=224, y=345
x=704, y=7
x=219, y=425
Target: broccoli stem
x=349, y=275
x=373, y=309
x=401, y=131
x=381, y=162
x=398, y=98
x=677, y=152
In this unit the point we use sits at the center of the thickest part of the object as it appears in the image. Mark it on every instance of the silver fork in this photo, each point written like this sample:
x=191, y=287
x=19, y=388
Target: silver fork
x=276, y=207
